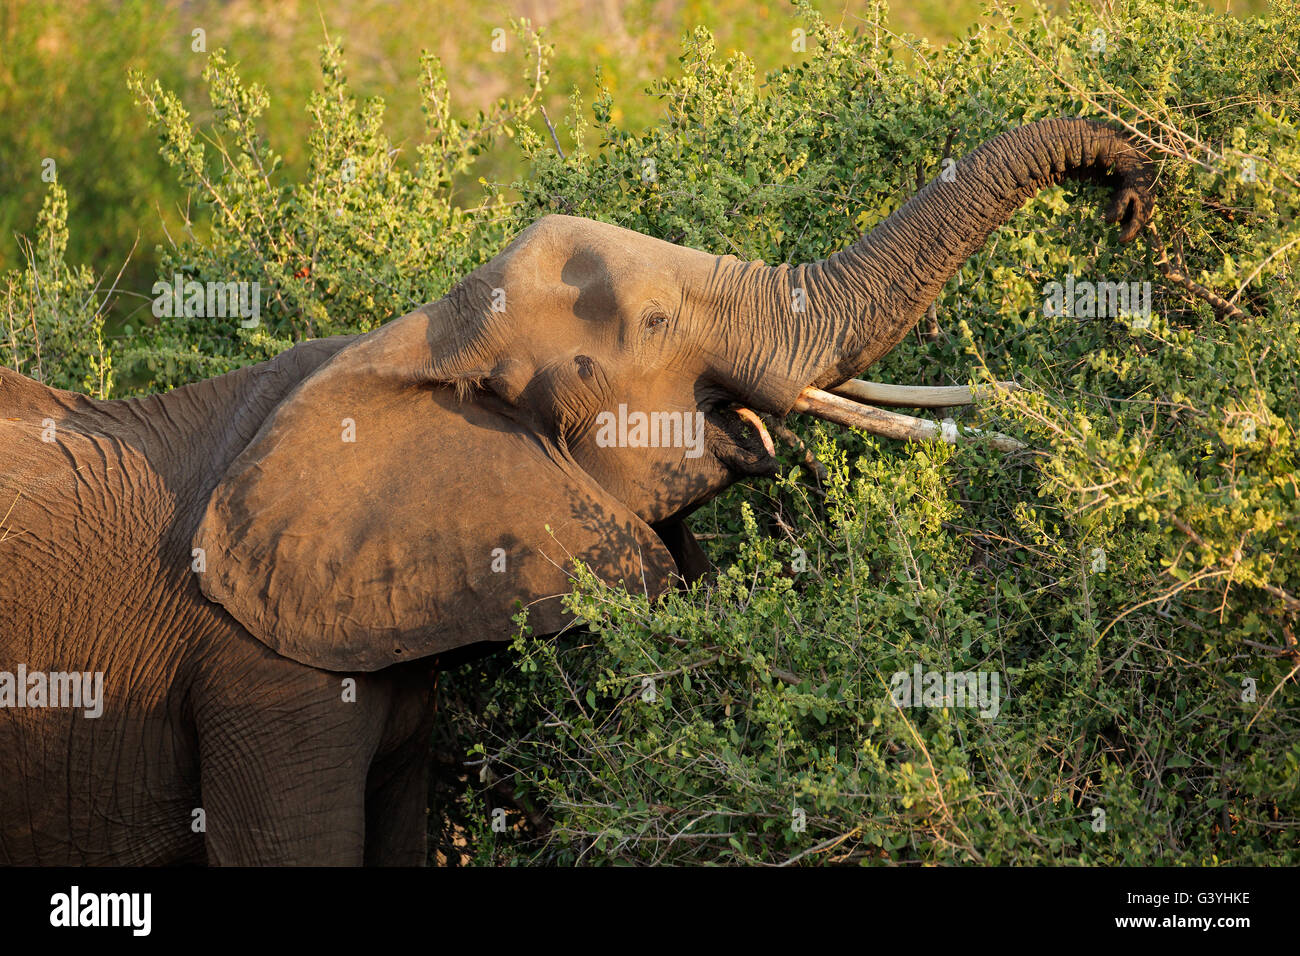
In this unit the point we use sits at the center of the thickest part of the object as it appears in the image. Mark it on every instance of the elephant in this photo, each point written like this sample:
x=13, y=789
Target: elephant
x=248, y=577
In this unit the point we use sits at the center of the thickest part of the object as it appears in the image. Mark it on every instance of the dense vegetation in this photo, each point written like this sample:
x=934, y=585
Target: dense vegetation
x=1134, y=578
x=64, y=96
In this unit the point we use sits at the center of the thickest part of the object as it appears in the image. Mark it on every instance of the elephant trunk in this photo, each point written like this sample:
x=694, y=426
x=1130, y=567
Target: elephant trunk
x=841, y=314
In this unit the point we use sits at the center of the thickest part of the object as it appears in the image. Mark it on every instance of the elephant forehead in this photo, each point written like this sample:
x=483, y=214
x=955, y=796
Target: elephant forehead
x=596, y=288
x=586, y=252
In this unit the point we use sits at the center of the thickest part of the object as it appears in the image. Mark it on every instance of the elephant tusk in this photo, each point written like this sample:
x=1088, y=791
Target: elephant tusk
x=754, y=420
x=918, y=396
x=842, y=411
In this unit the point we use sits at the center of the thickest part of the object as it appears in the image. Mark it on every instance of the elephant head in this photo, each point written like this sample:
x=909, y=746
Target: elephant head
x=442, y=471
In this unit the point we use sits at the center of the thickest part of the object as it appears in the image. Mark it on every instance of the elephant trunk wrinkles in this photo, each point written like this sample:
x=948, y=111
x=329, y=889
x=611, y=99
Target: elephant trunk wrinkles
x=843, y=313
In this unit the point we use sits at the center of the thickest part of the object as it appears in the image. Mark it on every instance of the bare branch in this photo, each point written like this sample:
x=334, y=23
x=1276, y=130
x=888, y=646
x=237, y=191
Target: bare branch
x=1176, y=272
x=554, y=138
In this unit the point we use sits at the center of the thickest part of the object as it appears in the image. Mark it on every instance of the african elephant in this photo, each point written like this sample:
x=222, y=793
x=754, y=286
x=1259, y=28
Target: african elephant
x=260, y=566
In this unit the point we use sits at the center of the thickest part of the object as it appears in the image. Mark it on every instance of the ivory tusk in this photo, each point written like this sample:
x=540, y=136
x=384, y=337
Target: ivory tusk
x=917, y=396
x=757, y=423
x=877, y=421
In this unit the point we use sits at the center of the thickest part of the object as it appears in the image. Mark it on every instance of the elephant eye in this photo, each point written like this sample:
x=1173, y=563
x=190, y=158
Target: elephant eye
x=655, y=320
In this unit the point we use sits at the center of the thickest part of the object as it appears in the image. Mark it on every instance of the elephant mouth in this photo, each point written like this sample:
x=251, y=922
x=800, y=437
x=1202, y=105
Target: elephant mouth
x=742, y=442
x=756, y=423
x=739, y=439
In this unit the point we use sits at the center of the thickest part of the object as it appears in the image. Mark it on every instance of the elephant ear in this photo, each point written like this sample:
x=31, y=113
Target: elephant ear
x=376, y=517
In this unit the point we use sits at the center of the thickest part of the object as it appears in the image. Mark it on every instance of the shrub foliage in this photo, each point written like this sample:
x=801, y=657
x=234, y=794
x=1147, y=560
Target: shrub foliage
x=1133, y=580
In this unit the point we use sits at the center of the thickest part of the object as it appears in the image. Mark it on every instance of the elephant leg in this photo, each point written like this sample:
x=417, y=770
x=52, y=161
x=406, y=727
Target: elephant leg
x=397, y=815
x=692, y=562
x=397, y=789
x=264, y=805
x=283, y=761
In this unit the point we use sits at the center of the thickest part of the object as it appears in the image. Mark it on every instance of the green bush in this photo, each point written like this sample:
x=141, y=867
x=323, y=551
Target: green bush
x=64, y=112
x=1125, y=579
x=363, y=238
x=54, y=313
